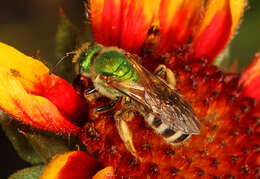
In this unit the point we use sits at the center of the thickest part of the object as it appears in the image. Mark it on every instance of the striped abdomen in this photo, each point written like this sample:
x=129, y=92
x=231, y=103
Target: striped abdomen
x=169, y=135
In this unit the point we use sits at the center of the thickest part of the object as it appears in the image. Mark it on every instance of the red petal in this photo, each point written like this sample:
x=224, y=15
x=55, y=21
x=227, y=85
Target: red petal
x=122, y=23
x=250, y=79
x=214, y=30
x=72, y=165
x=35, y=98
x=177, y=21
x=105, y=19
x=63, y=96
x=106, y=173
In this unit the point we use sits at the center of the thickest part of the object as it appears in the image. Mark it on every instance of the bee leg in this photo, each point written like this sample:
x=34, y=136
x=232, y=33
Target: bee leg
x=121, y=118
x=160, y=71
x=109, y=106
x=91, y=91
x=165, y=73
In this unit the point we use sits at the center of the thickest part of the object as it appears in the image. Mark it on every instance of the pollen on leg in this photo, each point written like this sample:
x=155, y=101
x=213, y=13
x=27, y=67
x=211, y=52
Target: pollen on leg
x=170, y=77
x=124, y=132
x=128, y=116
x=166, y=74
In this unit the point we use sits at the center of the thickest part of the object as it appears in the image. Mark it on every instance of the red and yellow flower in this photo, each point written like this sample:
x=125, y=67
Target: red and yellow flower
x=185, y=36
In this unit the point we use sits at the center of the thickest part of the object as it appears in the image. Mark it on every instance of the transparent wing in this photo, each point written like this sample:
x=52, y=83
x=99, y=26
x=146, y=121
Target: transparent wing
x=163, y=101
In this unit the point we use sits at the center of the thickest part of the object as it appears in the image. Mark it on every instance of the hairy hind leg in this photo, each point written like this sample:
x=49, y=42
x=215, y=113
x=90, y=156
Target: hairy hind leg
x=166, y=74
x=121, y=117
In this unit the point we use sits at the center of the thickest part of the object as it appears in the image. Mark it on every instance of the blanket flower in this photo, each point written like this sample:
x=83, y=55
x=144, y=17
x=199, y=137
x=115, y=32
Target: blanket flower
x=184, y=35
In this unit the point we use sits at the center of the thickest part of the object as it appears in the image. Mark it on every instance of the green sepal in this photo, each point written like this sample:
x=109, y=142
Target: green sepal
x=37, y=147
x=223, y=59
x=28, y=173
x=47, y=146
x=66, y=35
x=86, y=31
x=66, y=41
x=18, y=140
x=85, y=34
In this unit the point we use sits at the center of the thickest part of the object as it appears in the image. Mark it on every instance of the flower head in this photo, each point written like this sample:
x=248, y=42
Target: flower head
x=183, y=35
x=128, y=24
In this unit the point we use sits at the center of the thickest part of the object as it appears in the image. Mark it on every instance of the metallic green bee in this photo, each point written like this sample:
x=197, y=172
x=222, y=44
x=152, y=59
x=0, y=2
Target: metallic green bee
x=117, y=75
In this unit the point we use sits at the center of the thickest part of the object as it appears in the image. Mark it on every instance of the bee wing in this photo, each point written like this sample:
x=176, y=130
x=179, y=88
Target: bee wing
x=163, y=101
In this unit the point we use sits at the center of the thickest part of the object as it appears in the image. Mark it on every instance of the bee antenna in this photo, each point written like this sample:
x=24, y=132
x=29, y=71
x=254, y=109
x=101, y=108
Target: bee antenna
x=60, y=60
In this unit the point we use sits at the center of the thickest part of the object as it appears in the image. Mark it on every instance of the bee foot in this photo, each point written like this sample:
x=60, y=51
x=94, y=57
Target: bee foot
x=91, y=91
x=109, y=106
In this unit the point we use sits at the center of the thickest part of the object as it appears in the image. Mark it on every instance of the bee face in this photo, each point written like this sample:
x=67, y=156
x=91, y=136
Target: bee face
x=84, y=57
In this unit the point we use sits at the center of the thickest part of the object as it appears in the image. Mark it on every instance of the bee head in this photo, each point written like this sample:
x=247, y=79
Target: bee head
x=83, y=58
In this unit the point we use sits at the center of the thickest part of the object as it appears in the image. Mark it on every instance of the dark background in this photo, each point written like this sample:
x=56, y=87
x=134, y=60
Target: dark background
x=29, y=25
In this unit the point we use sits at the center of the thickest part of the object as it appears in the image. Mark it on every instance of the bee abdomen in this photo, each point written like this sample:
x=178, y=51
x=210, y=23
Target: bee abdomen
x=168, y=134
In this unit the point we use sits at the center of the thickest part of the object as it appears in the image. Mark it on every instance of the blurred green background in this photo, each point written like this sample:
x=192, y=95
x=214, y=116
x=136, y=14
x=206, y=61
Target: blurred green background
x=30, y=25
x=247, y=41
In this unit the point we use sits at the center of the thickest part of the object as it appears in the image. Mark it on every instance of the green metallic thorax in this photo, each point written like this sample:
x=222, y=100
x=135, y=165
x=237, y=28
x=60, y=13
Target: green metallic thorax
x=114, y=63
x=98, y=60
